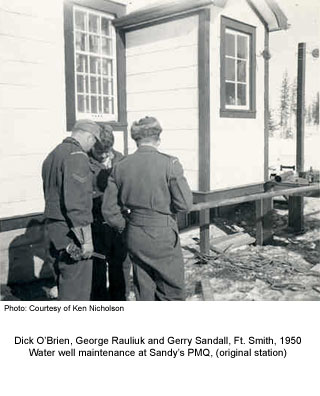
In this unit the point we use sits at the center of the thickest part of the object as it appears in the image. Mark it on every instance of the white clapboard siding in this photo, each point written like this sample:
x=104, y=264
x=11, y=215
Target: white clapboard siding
x=27, y=27
x=172, y=99
x=182, y=33
x=162, y=60
x=176, y=119
x=119, y=141
x=28, y=97
x=188, y=158
x=46, y=10
x=163, y=80
x=183, y=139
x=237, y=144
x=32, y=98
x=31, y=167
x=15, y=72
x=192, y=177
x=26, y=50
x=16, y=130
x=21, y=189
x=22, y=207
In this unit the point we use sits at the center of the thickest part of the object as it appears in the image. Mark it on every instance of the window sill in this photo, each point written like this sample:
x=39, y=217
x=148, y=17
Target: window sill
x=237, y=113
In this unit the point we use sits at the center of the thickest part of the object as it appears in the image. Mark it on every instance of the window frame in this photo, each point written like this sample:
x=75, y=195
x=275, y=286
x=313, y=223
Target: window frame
x=119, y=121
x=235, y=111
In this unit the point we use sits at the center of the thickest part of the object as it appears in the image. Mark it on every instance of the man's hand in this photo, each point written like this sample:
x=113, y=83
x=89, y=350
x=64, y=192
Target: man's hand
x=87, y=250
x=84, y=236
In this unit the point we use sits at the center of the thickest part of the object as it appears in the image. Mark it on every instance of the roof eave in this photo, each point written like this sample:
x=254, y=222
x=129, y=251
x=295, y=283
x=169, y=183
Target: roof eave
x=163, y=11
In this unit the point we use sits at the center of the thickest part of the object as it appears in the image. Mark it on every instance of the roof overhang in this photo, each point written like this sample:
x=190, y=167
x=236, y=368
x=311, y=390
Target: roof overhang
x=270, y=14
x=267, y=11
x=162, y=11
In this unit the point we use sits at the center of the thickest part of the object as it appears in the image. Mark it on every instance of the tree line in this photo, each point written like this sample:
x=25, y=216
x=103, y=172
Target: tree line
x=283, y=119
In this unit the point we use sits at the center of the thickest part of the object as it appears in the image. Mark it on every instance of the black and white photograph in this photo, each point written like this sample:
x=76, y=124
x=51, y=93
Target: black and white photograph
x=127, y=123
x=160, y=150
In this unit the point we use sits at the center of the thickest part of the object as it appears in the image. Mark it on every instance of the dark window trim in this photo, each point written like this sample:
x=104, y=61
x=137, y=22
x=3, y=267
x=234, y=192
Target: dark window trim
x=203, y=83
x=117, y=10
x=251, y=30
x=204, y=99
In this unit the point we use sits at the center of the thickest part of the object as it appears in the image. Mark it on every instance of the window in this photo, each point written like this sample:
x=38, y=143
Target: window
x=237, y=69
x=94, y=63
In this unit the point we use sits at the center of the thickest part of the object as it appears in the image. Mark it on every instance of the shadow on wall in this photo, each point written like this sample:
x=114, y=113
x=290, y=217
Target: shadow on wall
x=30, y=272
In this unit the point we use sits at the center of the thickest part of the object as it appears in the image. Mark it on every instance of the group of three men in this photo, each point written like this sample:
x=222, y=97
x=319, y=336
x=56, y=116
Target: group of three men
x=99, y=201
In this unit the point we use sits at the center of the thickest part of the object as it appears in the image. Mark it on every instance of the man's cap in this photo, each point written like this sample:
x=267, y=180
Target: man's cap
x=107, y=137
x=146, y=127
x=87, y=126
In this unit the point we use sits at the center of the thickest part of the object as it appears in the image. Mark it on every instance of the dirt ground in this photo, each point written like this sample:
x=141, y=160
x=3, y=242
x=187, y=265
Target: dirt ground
x=288, y=269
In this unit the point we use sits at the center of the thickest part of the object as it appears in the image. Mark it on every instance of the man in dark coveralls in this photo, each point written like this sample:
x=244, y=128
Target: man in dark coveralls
x=152, y=187
x=67, y=185
x=107, y=240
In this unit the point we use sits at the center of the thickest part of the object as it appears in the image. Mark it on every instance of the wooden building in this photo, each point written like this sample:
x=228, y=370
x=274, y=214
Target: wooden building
x=199, y=66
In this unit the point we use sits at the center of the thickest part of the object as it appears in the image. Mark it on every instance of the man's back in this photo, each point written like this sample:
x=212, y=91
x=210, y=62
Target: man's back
x=145, y=179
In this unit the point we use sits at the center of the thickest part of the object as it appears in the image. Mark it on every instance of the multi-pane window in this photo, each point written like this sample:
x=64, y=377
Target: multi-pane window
x=95, y=65
x=236, y=70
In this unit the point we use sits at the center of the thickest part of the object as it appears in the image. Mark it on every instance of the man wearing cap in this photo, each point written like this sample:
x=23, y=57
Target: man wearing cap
x=107, y=240
x=152, y=187
x=67, y=185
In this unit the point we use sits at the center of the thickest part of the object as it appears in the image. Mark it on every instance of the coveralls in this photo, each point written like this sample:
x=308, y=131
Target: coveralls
x=67, y=185
x=152, y=186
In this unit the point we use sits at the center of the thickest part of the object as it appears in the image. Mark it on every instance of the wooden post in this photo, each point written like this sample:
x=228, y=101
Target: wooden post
x=296, y=203
x=204, y=122
x=296, y=213
x=204, y=218
x=264, y=233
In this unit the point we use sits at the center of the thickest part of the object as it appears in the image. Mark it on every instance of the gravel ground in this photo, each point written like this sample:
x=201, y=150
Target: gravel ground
x=287, y=270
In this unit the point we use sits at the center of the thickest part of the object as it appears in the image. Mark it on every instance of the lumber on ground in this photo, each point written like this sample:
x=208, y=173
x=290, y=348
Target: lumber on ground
x=225, y=242
x=207, y=293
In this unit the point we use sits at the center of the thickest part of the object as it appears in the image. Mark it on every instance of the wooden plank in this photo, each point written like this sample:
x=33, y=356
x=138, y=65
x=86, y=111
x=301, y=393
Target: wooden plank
x=264, y=233
x=18, y=222
x=266, y=107
x=69, y=65
x=204, y=99
x=202, y=196
x=157, y=12
x=207, y=292
x=231, y=241
x=255, y=197
x=296, y=204
x=121, y=82
x=296, y=220
x=204, y=220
